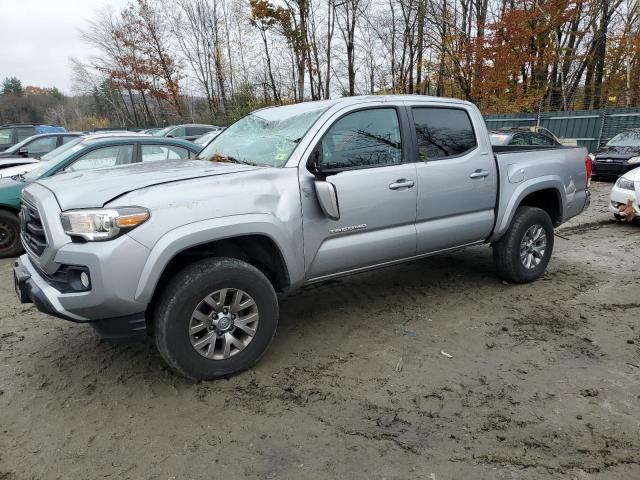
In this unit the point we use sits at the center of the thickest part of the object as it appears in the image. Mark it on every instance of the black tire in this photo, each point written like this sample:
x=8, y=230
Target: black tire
x=618, y=217
x=10, y=245
x=184, y=294
x=506, y=251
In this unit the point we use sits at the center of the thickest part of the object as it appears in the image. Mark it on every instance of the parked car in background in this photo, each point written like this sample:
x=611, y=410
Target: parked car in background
x=205, y=139
x=185, y=132
x=13, y=133
x=38, y=145
x=618, y=155
x=150, y=131
x=521, y=137
x=567, y=142
x=12, y=166
x=626, y=188
x=286, y=197
x=83, y=153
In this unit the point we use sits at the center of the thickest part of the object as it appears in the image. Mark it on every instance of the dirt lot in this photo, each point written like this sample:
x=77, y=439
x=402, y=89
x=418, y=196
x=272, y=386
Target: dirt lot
x=544, y=380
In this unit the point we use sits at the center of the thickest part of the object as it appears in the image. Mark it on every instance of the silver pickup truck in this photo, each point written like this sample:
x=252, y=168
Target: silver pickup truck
x=194, y=253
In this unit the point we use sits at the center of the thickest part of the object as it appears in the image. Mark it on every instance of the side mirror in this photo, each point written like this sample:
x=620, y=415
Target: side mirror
x=328, y=199
x=24, y=151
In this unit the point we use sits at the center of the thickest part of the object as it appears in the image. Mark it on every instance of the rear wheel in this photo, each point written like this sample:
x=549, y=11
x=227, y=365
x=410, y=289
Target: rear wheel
x=10, y=245
x=523, y=253
x=216, y=317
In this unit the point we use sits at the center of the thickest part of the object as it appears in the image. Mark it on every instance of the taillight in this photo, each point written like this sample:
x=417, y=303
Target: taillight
x=588, y=163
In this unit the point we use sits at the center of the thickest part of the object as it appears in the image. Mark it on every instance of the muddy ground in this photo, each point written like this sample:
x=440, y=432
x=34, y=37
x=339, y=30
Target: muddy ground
x=544, y=380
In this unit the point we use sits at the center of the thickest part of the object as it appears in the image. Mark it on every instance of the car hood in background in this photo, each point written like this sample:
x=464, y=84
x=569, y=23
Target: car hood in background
x=94, y=188
x=18, y=169
x=624, y=153
x=13, y=161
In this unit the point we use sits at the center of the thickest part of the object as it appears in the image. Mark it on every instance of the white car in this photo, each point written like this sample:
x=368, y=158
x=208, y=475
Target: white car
x=15, y=166
x=626, y=188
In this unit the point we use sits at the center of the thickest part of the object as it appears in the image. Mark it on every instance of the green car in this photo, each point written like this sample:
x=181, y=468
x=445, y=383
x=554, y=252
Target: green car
x=83, y=153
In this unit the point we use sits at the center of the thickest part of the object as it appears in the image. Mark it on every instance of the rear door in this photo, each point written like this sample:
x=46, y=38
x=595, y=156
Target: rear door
x=457, y=177
x=41, y=146
x=376, y=194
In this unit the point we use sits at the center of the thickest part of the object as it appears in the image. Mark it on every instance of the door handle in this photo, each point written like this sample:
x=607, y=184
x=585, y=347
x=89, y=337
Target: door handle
x=401, y=183
x=479, y=174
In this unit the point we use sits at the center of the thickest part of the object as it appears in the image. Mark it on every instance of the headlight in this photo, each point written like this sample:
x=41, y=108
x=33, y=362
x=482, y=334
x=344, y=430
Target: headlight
x=102, y=224
x=634, y=160
x=625, y=184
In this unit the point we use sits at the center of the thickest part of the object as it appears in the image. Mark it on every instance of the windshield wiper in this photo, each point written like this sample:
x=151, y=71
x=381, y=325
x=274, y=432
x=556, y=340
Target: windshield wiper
x=19, y=177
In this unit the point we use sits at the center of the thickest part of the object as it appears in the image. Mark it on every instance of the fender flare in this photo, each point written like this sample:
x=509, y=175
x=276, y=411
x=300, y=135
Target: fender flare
x=205, y=231
x=506, y=213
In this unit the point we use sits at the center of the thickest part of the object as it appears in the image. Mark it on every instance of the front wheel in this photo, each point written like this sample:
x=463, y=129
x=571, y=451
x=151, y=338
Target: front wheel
x=215, y=318
x=523, y=253
x=10, y=245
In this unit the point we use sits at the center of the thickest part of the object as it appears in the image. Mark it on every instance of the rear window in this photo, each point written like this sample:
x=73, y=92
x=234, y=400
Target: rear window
x=198, y=130
x=443, y=132
x=540, y=139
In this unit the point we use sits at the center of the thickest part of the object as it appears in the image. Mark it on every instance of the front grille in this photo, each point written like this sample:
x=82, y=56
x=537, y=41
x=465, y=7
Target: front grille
x=608, y=167
x=32, y=231
x=615, y=161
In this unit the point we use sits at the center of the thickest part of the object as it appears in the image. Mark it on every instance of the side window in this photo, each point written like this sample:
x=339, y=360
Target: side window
x=25, y=132
x=519, y=139
x=367, y=138
x=155, y=153
x=6, y=136
x=67, y=138
x=443, y=132
x=43, y=145
x=177, y=132
x=103, y=158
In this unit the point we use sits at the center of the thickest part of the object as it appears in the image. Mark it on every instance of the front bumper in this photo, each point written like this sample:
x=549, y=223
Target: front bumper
x=610, y=169
x=620, y=196
x=32, y=287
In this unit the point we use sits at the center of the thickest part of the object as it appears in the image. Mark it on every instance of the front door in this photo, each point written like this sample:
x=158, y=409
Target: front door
x=376, y=192
x=457, y=179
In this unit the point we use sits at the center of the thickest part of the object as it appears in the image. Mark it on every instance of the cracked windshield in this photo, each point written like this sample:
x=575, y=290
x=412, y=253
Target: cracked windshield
x=264, y=138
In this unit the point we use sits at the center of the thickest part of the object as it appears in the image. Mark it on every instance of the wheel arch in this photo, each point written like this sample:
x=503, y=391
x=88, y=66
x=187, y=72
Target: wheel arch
x=9, y=208
x=258, y=244
x=548, y=193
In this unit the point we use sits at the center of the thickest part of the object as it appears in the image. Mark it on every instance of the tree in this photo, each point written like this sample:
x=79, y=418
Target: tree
x=12, y=85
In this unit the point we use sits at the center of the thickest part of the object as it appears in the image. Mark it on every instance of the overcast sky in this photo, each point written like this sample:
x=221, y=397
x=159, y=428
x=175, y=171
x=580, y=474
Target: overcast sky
x=37, y=37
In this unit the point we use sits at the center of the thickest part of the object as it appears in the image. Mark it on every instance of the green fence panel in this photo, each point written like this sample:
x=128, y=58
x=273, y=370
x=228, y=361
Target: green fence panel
x=588, y=127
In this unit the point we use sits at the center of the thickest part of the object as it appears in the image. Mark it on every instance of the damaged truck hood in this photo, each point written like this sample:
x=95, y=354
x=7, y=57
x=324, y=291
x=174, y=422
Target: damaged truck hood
x=95, y=188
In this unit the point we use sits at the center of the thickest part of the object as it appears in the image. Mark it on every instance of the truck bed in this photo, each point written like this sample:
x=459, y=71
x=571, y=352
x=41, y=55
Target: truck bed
x=524, y=169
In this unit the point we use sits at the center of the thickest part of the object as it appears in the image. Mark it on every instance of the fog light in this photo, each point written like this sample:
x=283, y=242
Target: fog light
x=84, y=279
